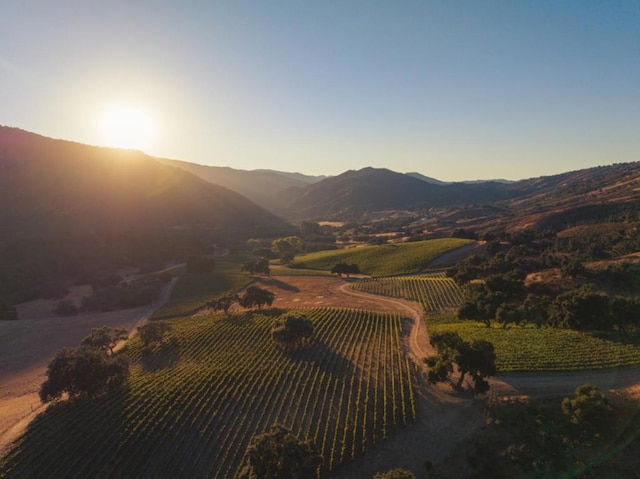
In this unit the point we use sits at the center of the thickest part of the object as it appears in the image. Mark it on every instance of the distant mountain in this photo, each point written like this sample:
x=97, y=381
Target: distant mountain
x=260, y=186
x=426, y=179
x=64, y=203
x=348, y=195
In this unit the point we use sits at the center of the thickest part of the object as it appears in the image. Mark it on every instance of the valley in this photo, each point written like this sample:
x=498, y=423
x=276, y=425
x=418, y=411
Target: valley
x=538, y=277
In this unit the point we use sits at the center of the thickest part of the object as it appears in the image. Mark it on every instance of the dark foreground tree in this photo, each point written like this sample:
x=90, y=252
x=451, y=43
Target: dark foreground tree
x=154, y=332
x=279, y=455
x=255, y=296
x=476, y=359
x=588, y=410
x=292, y=332
x=104, y=338
x=83, y=372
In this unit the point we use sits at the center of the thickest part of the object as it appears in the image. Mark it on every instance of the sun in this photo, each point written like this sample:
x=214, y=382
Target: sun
x=127, y=127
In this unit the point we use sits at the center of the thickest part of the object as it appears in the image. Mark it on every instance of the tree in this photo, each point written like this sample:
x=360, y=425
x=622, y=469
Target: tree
x=395, y=474
x=83, y=372
x=279, y=454
x=287, y=248
x=292, y=332
x=477, y=359
x=224, y=302
x=154, y=332
x=346, y=269
x=104, y=338
x=200, y=264
x=257, y=266
x=255, y=296
x=588, y=409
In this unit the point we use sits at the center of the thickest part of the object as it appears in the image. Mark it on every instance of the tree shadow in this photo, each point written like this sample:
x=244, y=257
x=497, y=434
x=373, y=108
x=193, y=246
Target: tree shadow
x=276, y=283
x=325, y=358
x=162, y=356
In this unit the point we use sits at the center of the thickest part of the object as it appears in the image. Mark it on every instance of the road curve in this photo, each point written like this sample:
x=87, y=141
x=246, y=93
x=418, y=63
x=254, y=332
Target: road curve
x=510, y=384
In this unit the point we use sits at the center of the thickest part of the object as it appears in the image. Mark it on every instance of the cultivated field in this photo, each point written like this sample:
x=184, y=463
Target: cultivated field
x=383, y=260
x=190, y=410
x=434, y=291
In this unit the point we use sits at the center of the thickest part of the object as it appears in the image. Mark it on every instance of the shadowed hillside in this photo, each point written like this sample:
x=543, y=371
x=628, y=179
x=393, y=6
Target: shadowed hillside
x=68, y=205
x=260, y=186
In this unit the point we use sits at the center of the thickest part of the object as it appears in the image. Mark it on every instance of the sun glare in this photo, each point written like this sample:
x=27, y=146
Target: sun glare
x=127, y=127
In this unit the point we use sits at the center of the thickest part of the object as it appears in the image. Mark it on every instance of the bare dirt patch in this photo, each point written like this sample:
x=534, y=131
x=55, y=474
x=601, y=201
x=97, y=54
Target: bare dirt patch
x=41, y=308
x=28, y=345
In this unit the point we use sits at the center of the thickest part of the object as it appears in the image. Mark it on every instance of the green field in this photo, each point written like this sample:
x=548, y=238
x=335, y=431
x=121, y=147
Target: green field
x=194, y=290
x=434, y=291
x=518, y=348
x=383, y=260
x=526, y=348
x=190, y=410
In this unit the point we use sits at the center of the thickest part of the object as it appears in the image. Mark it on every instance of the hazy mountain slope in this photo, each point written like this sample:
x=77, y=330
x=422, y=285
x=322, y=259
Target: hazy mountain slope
x=260, y=186
x=55, y=185
x=68, y=209
x=369, y=189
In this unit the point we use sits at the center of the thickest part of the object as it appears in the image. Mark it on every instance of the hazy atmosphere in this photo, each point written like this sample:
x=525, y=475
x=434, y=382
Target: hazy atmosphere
x=454, y=90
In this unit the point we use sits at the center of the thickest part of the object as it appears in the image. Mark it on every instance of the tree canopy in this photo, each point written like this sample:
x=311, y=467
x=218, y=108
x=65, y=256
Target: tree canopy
x=256, y=296
x=395, y=474
x=477, y=359
x=346, y=269
x=292, y=331
x=83, y=371
x=223, y=303
x=154, y=332
x=279, y=454
x=257, y=266
x=104, y=338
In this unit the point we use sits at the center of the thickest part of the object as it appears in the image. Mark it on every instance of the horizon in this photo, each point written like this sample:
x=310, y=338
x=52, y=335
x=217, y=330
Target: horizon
x=458, y=92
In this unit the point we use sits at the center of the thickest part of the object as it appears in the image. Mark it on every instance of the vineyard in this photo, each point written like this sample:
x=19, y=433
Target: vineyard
x=190, y=409
x=527, y=348
x=434, y=291
x=383, y=260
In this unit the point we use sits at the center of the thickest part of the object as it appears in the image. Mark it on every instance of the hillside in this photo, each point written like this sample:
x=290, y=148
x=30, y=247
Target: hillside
x=260, y=186
x=348, y=195
x=66, y=205
x=605, y=193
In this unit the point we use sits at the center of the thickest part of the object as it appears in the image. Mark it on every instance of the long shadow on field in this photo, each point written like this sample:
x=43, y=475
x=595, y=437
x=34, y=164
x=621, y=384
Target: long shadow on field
x=163, y=356
x=66, y=439
x=325, y=358
x=276, y=283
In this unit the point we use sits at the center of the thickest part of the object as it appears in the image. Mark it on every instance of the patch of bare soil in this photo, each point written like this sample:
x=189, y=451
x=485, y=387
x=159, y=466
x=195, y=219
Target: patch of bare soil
x=41, y=308
x=28, y=345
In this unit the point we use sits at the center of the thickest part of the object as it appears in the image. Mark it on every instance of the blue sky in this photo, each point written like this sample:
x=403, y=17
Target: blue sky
x=454, y=90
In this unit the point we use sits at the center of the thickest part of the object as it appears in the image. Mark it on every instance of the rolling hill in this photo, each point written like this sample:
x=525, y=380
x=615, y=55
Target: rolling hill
x=260, y=186
x=66, y=205
x=348, y=195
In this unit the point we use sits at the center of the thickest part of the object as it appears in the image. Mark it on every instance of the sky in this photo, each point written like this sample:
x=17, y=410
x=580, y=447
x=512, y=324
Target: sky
x=455, y=90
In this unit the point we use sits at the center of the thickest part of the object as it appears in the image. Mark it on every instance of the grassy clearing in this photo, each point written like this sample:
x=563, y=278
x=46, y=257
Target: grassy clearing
x=194, y=290
x=383, y=260
x=547, y=349
x=190, y=408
